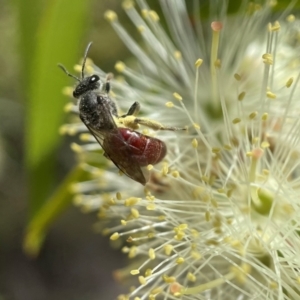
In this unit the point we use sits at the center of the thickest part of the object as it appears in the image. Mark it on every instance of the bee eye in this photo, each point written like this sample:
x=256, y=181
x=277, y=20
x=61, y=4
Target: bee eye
x=94, y=78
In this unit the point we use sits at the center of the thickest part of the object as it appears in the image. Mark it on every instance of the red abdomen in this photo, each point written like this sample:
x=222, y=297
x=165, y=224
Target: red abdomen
x=145, y=149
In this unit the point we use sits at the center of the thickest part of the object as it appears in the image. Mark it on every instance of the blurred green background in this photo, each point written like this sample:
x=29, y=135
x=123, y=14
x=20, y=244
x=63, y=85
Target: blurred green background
x=74, y=262
x=36, y=163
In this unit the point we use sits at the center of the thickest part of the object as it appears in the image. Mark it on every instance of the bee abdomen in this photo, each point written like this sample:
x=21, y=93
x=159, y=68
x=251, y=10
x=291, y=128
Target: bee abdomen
x=145, y=149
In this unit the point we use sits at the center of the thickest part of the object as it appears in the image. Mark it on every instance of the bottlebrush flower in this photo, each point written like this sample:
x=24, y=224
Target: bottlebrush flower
x=219, y=218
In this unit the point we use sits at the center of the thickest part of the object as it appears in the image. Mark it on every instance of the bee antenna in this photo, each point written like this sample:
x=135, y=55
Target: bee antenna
x=66, y=71
x=84, y=58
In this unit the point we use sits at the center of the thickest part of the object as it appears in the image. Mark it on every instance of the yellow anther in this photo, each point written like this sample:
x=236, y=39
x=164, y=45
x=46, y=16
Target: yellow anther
x=132, y=201
x=169, y=104
x=154, y=16
x=289, y=82
x=77, y=68
x=291, y=18
x=241, y=272
x=132, y=252
x=141, y=29
x=177, y=55
x=150, y=198
x=70, y=130
x=215, y=150
x=118, y=196
x=145, y=13
x=63, y=130
x=236, y=120
x=179, y=236
x=241, y=96
x=120, y=66
x=266, y=172
x=183, y=226
x=151, y=206
x=177, y=96
x=196, y=255
x=252, y=115
x=273, y=285
x=142, y=280
x=214, y=203
x=191, y=277
x=268, y=58
x=135, y=213
x=151, y=253
x=88, y=66
x=85, y=137
x=69, y=106
x=212, y=242
x=271, y=95
x=195, y=233
x=179, y=260
x=68, y=91
x=195, y=143
x=111, y=201
x=105, y=231
x=148, y=272
x=276, y=26
x=150, y=167
x=237, y=77
x=135, y=272
x=255, y=140
x=76, y=148
x=123, y=222
x=110, y=16
x=265, y=116
x=151, y=235
x=114, y=236
x=217, y=63
x=196, y=126
x=227, y=147
x=198, y=62
x=175, y=174
x=125, y=249
x=265, y=145
x=168, y=249
x=168, y=279
x=165, y=170
x=127, y=4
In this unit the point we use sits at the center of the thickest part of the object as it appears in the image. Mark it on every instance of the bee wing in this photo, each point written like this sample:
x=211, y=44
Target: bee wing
x=119, y=152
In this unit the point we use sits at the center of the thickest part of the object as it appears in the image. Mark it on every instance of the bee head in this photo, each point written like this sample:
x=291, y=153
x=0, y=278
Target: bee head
x=87, y=84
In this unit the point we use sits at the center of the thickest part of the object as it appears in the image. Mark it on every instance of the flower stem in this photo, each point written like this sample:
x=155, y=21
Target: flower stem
x=216, y=27
x=207, y=286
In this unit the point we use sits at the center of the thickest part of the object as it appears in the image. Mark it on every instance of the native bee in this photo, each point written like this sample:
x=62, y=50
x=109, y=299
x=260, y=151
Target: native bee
x=128, y=149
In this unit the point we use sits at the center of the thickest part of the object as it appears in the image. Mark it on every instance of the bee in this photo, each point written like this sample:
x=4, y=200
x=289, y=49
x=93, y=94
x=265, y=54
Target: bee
x=127, y=148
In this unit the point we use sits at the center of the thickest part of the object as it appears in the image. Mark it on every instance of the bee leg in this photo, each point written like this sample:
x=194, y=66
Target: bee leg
x=107, y=86
x=129, y=122
x=133, y=110
x=155, y=125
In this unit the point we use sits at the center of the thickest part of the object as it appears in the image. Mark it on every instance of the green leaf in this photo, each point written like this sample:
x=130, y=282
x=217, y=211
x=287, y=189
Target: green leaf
x=61, y=25
x=50, y=211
